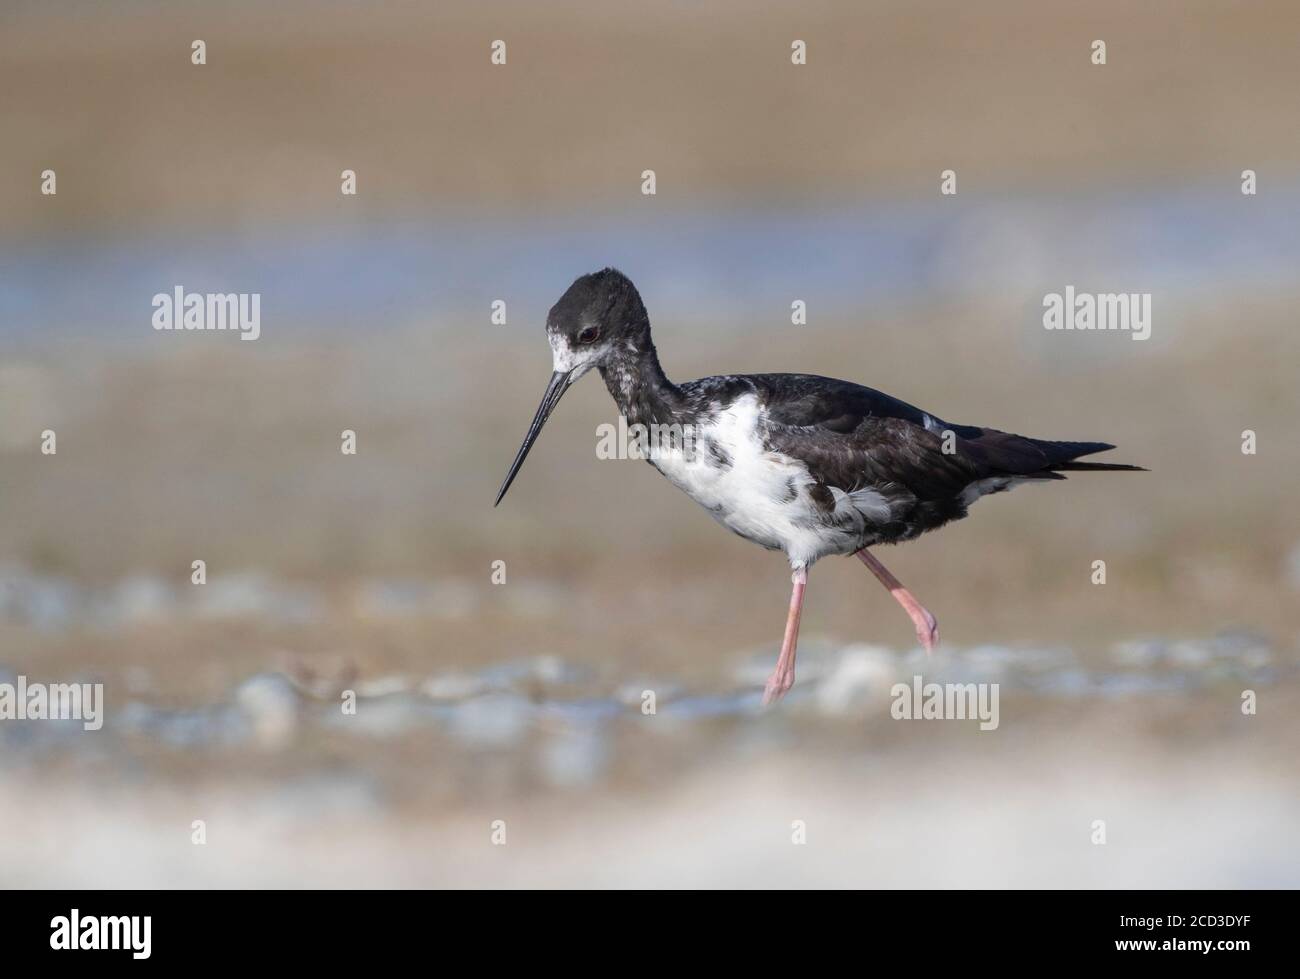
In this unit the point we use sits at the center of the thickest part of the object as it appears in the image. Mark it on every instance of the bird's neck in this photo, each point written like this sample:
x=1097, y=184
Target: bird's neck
x=643, y=393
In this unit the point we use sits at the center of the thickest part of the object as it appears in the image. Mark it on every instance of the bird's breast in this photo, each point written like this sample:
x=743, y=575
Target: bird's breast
x=727, y=468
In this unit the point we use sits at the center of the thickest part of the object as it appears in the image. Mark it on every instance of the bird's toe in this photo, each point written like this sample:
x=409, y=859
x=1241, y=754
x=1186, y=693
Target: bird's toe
x=927, y=632
x=778, y=685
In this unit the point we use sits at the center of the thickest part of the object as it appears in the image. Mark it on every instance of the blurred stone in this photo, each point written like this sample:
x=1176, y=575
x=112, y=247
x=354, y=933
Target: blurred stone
x=493, y=720
x=255, y=595
x=271, y=705
x=1243, y=647
x=1139, y=653
x=203, y=727
x=234, y=596
x=141, y=598
x=862, y=675
x=576, y=756
x=387, y=716
x=40, y=601
x=1189, y=653
x=453, y=686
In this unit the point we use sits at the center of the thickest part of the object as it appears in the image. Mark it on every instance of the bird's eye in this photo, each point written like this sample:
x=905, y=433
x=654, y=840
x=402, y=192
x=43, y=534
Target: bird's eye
x=588, y=335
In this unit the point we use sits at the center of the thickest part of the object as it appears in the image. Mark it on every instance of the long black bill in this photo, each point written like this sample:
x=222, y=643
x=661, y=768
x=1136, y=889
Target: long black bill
x=554, y=392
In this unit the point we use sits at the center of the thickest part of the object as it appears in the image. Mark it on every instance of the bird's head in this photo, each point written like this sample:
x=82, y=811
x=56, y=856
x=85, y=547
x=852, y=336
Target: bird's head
x=599, y=318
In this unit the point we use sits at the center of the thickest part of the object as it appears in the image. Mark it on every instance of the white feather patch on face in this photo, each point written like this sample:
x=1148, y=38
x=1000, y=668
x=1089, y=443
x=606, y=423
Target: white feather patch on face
x=566, y=359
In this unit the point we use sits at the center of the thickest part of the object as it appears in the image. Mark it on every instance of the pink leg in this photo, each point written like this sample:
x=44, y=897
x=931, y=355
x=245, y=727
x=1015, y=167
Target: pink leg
x=927, y=627
x=782, y=678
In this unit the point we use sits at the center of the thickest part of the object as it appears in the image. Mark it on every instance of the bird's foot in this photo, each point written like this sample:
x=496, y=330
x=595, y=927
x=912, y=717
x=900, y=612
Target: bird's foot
x=927, y=628
x=778, y=685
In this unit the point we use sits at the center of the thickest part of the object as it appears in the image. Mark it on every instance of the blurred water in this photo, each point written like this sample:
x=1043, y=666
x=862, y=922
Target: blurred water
x=512, y=704
x=371, y=276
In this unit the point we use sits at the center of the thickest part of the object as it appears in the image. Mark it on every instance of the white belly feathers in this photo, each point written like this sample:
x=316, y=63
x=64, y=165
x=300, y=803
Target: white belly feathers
x=759, y=494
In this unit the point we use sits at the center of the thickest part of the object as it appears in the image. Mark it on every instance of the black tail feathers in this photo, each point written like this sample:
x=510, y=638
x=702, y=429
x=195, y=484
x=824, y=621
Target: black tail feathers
x=1117, y=467
x=1065, y=454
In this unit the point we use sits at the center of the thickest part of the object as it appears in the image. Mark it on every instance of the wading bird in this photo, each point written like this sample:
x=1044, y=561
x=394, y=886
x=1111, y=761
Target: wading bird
x=797, y=463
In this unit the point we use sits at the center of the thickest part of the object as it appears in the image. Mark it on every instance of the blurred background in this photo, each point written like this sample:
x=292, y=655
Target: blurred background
x=521, y=701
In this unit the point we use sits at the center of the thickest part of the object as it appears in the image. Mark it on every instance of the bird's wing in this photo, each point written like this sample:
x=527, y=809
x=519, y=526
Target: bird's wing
x=852, y=436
